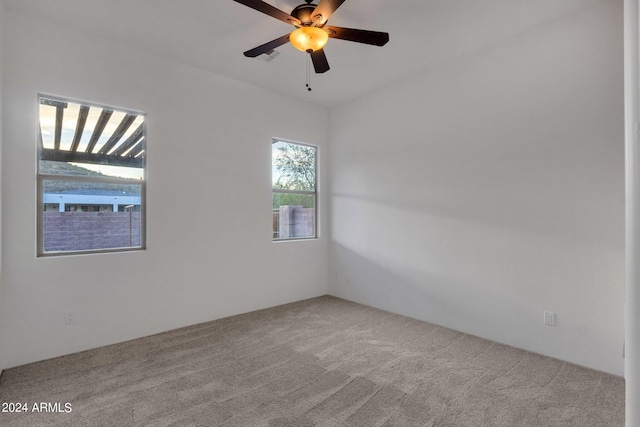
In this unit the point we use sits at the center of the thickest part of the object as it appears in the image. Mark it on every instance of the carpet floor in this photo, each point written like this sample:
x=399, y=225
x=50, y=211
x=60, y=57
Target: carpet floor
x=318, y=362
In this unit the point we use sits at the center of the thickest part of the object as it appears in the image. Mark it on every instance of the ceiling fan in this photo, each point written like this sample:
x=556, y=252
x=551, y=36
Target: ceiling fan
x=312, y=33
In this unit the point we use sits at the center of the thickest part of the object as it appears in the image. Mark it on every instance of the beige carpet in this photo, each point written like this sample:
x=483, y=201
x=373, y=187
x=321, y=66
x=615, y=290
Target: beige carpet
x=320, y=362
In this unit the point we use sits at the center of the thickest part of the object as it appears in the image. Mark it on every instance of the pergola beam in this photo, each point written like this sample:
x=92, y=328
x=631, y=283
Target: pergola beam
x=105, y=115
x=130, y=142
x=119, y=132
x=92, y=158
x=82, y=120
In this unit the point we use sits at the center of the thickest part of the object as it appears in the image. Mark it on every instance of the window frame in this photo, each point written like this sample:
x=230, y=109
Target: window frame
x=42, y=177
x=314, y=193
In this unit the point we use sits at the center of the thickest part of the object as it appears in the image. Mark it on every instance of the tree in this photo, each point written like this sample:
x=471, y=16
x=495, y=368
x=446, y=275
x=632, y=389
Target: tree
x=296, y=167
x=296, y=170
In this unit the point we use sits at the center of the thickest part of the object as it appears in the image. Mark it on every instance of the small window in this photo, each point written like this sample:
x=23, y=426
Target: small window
x=91, y=178
x=293, y=168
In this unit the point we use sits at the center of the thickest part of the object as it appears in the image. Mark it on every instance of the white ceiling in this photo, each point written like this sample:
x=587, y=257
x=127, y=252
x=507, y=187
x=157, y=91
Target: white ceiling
x=212, y=34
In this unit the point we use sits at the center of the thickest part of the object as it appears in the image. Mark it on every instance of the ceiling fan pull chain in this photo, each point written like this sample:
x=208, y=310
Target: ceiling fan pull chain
x=309, y=73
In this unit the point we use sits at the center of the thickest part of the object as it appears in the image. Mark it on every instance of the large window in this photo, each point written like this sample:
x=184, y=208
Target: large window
x=293, y=169
x=91, y=178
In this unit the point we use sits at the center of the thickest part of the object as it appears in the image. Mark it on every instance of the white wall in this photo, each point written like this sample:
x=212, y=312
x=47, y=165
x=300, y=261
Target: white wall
x=475, y=195
x=2, y=343
x=482, y=193
x=209, y=157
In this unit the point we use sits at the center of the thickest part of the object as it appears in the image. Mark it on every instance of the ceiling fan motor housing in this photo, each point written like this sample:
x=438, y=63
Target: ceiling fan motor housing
x=303, y=13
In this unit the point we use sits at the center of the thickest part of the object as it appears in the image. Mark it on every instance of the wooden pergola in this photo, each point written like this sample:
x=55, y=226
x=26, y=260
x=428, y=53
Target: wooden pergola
x=114, y=152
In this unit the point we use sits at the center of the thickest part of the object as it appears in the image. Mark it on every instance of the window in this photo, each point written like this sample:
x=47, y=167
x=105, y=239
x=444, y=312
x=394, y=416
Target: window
x=91, y=178
x=293, y=169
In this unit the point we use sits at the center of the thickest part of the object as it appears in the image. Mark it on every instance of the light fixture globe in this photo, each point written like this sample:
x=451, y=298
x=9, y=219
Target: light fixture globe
x=309, y=39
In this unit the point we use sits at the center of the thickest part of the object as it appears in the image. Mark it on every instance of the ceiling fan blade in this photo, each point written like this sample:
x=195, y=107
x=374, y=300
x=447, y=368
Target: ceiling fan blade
x=263, y=7
x=256, y=51
x=375, y=38
x=325, y=8
x=320, y=63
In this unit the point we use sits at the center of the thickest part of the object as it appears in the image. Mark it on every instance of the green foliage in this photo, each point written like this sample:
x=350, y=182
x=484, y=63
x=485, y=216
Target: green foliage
x=304, y=200
x=296, y=167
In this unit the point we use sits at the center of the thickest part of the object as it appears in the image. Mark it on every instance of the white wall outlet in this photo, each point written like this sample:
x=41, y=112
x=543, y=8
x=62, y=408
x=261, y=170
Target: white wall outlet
x=69, y=317
x=549, y=318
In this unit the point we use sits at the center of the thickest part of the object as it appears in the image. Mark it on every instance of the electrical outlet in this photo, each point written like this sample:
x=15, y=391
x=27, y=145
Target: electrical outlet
x=549, y=318
x=69, y=318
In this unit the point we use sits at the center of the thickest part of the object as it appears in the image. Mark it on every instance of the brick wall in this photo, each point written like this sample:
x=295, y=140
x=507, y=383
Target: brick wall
x=64, y=231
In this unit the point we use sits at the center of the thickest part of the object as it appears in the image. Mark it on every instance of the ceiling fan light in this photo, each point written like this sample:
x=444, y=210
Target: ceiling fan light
x=309, y=39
